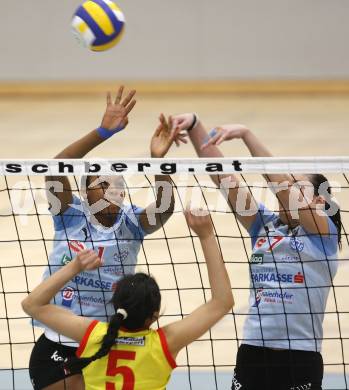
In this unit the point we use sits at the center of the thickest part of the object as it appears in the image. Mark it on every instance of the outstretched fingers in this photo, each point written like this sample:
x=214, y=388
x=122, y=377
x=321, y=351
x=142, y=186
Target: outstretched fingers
x=119, y=95
x=158, y=130
x=214, y=136
x=163, y=121
x=221, y=139
x=129, y=108
x=181, y=138
x=108, y=98
x=174, y=134
x=128, y=98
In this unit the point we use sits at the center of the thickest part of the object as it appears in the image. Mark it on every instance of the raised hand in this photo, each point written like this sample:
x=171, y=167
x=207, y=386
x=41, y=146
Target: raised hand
x=116, y=113
x=163, y=138
x=200, y=222
x=183, y=121
x=87, y=260
x=225, y=133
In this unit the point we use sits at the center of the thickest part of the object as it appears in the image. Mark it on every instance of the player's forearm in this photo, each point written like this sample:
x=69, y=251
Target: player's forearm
x=217, y=273
x=198, y=137
x=43, y=294
x=255, y=146
x=77, y=149
x=165, y=200
x=165, y=194
x=258, y=149
x=81, y=147
x=157, y=214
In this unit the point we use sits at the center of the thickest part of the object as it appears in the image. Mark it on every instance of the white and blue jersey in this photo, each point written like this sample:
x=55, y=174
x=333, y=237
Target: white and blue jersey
x=90, y=292
x=291, y=273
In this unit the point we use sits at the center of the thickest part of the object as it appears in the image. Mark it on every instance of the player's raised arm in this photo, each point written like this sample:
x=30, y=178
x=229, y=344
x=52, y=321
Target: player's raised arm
x=297, y=196
x=37, y=304
x=181, y=333
x=239, y=196
x=114, y=120
x=157, y=213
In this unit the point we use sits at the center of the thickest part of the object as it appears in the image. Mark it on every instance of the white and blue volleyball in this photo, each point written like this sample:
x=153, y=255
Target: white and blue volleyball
x=98, y=24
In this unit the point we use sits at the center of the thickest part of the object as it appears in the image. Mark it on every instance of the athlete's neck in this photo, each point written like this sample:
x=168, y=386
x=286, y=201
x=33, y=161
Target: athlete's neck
x=108, y=218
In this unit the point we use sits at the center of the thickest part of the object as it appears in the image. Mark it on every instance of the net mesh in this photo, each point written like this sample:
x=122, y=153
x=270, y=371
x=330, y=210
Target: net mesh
x=174, y=256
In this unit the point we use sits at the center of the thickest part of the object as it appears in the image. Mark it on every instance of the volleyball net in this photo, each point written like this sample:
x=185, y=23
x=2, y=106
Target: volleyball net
x=172, y=254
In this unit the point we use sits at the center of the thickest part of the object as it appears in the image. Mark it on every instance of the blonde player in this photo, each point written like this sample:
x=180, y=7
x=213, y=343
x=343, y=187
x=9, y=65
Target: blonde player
x=126, y=353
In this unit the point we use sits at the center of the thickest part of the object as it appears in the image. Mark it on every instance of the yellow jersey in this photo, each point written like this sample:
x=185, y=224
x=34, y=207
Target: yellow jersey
x=139, y=360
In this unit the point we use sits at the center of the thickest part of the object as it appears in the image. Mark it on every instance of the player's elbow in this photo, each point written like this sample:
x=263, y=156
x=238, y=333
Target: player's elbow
x=229, y=302
x=225, y=303
x=27, y=306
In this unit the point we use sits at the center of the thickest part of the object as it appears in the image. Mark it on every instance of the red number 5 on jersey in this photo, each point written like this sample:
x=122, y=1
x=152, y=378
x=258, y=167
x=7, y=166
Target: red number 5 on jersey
x=113, y=369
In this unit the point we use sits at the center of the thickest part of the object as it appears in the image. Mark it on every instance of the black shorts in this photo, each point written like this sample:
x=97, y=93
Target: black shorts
x=46, y=362
x=259, y=368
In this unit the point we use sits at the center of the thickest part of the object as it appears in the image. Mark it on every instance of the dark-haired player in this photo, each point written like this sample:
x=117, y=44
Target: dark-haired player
x=293, y=263
x=126, y=353
x=102, y=222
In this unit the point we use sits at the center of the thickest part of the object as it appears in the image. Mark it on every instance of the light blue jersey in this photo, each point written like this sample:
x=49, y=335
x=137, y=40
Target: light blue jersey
x=291, y=275
x=89, y=293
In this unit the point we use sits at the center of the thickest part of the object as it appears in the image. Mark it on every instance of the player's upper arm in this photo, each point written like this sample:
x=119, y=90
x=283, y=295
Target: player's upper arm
x=157, y=213
x=134, y=222
x=325, y=243
x=314, y=221
x=243, y=204
x=150, y=219
x=63, y=321
x=73, y=215
x=181, y=333
x=154, y=217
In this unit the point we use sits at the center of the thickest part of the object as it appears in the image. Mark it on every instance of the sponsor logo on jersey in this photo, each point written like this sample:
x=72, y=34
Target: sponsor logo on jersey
x=259, y=293
x=137, y=341
x=272, y=297
x=271, y=242
x=76, y=246
x=257, y=258
x=91, y=300
x=296, y=244
x=289, y=259
x=260, y=277
x=117, y=270
x=68, y=296
x=94, y=283
x=65, y=259
x=121, y=256
x=299, y=278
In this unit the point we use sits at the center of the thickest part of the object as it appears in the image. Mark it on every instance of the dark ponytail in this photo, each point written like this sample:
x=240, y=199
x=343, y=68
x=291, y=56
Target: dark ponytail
x=139, y=296
x=75, y=364
x=318, y=181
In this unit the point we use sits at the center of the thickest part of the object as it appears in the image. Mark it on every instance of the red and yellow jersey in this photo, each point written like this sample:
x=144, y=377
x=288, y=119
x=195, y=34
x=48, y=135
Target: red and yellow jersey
x=139, y=360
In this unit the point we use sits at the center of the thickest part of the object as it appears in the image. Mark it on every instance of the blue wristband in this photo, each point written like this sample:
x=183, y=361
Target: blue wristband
x=105, y=133
x=211, y=134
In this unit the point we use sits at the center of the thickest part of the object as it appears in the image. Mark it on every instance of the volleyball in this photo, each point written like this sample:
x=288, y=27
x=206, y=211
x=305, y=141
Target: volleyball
x=98, y=24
